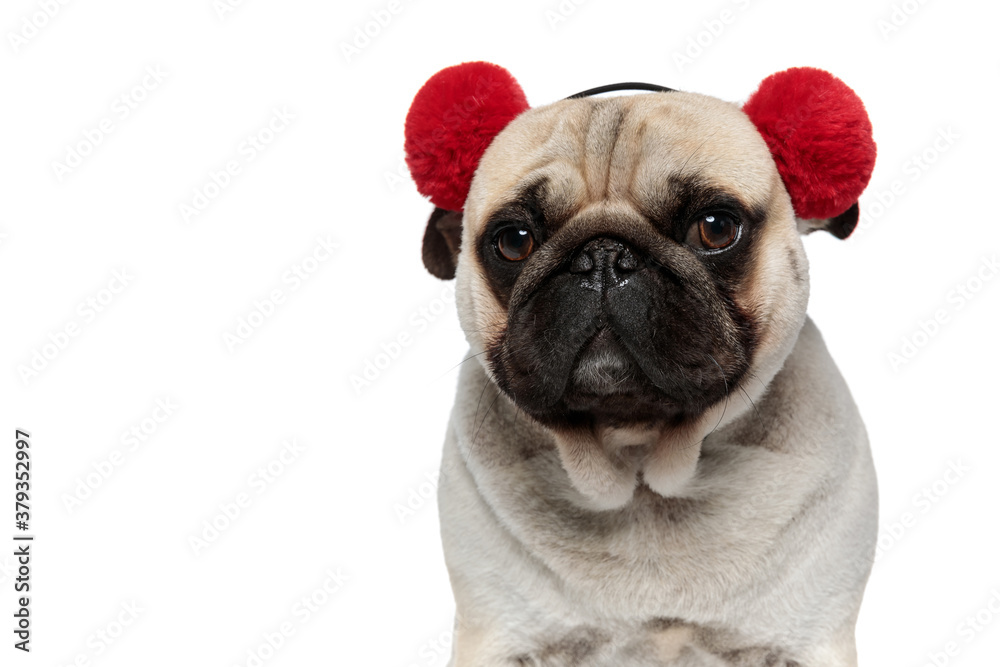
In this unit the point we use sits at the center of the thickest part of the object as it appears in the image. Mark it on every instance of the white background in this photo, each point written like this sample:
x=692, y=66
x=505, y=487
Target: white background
x=336, y=171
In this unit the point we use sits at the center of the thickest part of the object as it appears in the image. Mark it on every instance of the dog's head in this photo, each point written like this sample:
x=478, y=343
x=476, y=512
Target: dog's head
x=630, y=267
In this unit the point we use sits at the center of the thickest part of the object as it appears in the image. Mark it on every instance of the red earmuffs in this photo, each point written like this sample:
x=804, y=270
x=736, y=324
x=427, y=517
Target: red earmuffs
x=820, y=137
x=815, y=126
x=452, y=121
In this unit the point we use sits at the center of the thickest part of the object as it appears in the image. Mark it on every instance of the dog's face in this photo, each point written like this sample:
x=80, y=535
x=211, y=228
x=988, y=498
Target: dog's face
x=628, y=264
x=629, y=261
x=630, y=274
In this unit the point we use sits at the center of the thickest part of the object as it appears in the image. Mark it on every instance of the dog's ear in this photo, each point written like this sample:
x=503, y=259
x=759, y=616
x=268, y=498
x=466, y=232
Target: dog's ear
x=820, y=138
x=442, y=242
x=840, y=226
x=452, y=121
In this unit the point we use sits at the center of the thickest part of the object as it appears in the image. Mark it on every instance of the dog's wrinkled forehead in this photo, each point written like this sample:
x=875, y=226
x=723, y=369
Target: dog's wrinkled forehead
x=636, y=150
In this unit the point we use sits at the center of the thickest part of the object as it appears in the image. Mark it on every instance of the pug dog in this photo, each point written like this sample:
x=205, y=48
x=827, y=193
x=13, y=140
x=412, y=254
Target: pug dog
x=652, y=458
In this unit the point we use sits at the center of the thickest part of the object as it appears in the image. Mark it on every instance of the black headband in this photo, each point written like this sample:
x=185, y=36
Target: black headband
x=621, y=86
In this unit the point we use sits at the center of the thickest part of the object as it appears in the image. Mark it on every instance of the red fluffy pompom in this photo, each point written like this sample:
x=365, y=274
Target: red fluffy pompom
x=820, y=137
x=452, y=121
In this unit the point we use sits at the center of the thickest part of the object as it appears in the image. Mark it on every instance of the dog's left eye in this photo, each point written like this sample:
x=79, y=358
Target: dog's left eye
x=713, y=231
x=515, y=243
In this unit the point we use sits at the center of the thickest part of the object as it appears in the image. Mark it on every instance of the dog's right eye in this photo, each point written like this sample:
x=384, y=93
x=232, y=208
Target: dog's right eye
x=514, y=243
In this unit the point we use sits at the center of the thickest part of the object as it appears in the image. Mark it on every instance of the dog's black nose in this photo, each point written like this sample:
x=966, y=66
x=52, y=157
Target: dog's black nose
x=607, y=261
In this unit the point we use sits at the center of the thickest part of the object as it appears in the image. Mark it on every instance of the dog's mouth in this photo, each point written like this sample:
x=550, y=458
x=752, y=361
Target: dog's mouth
x=608, y=383
x=605, y=368
x=595, y=373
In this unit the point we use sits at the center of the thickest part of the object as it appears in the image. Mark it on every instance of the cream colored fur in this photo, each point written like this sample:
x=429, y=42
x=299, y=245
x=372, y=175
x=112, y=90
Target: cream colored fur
x=751, y=540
